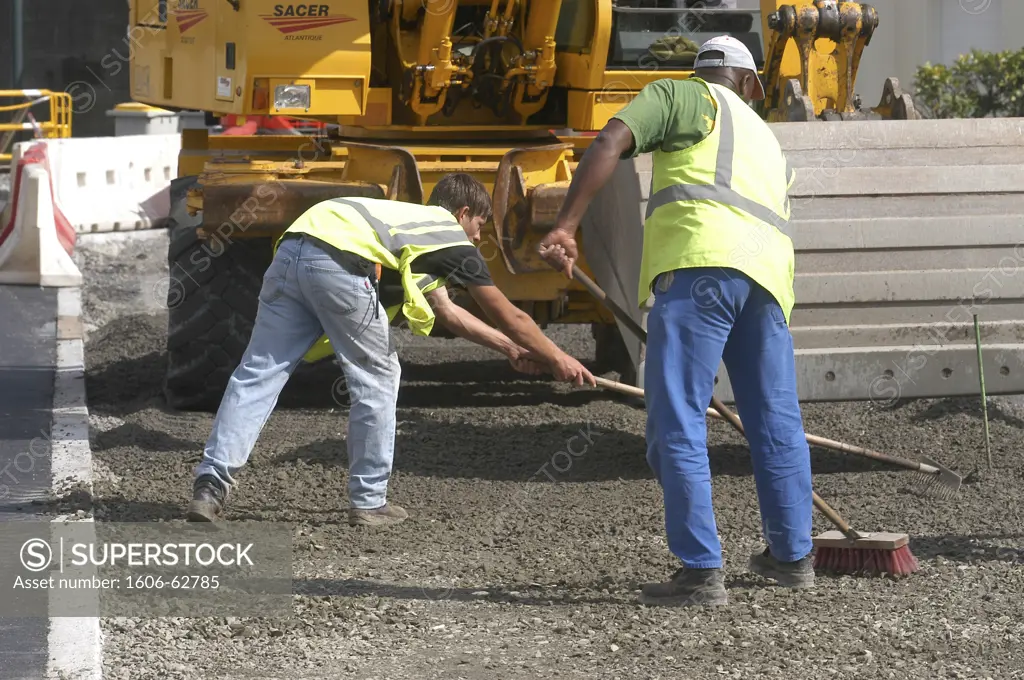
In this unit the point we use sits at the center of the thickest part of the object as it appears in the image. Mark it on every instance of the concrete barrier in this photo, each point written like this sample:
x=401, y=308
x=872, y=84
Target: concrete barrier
x=114, y=183
x=36, y=240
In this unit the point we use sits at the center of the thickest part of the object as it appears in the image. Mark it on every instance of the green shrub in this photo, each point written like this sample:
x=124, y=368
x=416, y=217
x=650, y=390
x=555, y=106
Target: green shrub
x=977, y=85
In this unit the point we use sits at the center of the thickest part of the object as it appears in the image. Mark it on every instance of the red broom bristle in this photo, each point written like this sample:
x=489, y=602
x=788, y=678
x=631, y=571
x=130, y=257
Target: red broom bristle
x=899, y=562
x=906, y=562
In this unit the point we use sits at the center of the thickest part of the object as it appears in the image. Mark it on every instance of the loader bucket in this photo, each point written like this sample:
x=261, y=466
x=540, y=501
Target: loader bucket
x=903, y=231
x=613, y=237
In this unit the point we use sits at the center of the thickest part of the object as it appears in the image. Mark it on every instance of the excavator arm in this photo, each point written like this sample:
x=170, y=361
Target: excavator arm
x=825, y=85
x=505, y=61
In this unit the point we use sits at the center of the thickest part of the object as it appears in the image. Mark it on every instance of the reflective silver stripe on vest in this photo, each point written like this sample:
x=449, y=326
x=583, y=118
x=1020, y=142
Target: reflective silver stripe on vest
x=721, y=191
x=406, y=237
x=451, y=234
x=425, y=281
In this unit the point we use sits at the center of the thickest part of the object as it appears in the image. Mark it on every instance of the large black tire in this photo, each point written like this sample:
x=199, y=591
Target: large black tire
x=212, y=299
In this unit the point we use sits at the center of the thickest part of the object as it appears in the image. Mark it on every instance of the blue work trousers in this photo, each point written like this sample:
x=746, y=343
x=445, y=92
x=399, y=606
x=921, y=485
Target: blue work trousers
x=701, y=317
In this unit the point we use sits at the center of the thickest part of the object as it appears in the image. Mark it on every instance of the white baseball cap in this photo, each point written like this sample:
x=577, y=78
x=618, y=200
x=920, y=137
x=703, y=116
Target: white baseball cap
x=734, y=55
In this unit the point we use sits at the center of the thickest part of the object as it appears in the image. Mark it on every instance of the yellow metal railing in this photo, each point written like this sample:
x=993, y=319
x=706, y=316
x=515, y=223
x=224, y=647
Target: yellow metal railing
x=58, y=125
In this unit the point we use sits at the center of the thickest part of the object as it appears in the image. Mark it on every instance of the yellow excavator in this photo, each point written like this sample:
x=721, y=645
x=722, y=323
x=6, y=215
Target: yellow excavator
x=507, y=90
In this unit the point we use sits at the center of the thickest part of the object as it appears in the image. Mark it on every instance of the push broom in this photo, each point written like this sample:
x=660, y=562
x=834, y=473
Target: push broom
x=845, y=551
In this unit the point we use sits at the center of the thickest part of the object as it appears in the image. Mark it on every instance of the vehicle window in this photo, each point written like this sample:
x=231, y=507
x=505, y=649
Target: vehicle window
x=655, y=34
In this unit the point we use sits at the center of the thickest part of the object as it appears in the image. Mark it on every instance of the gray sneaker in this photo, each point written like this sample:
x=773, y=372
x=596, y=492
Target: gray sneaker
x=389, y=513
x=687, y=588
x=799, y=574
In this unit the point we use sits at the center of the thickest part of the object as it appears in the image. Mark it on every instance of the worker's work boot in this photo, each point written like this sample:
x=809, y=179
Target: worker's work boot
x=687, y=588
x=208, y=496
x=799, y=574
x=389, y=513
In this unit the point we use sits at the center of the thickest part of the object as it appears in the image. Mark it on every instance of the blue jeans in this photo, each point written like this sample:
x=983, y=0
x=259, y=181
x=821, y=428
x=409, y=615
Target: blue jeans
x=705, y=316
x=305, y=294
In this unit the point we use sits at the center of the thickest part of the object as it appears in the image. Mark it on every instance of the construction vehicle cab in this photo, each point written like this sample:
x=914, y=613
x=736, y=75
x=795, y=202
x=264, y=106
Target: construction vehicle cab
x=415, y=90
x=661, y=35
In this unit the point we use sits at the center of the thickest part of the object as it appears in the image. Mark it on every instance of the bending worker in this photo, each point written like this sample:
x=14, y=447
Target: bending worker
x=323, y=281
x=718, y=261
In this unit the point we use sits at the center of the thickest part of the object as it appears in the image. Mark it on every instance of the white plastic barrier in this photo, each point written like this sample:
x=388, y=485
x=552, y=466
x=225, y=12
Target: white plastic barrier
x=114, y=183
x=36, y=240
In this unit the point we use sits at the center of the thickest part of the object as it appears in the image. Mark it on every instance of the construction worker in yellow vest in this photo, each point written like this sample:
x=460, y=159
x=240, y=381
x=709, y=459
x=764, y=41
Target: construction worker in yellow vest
x=718, y=259
x=323, y=282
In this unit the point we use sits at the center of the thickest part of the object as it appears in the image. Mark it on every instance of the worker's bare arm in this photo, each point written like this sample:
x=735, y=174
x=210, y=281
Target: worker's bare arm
x=463, y=324
x=518, y=326
x=516, y=323
x=640, y=127
x=593, y=172
x=558, y=247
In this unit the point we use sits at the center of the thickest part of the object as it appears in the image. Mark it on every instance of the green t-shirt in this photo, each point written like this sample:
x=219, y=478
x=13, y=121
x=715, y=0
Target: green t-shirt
x=670, y=114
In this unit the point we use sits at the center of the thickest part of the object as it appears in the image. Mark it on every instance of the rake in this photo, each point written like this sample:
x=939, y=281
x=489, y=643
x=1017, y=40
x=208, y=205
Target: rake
x=936, y=479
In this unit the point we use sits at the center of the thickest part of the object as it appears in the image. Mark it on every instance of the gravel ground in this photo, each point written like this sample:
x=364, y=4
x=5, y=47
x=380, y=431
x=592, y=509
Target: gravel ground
x=522, y=562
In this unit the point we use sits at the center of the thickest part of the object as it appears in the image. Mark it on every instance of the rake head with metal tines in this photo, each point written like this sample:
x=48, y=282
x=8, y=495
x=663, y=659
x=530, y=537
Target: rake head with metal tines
x=937, y=480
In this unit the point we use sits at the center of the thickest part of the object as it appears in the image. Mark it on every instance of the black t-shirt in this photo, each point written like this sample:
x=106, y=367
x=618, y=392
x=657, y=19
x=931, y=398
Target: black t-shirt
x=459, y=266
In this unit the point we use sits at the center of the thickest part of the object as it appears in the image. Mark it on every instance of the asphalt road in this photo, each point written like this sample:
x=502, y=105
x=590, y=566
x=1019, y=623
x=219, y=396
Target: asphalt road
x=27, y=358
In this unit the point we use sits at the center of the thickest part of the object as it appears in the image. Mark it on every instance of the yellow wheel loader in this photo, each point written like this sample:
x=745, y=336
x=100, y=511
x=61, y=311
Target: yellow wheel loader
x=507, y=90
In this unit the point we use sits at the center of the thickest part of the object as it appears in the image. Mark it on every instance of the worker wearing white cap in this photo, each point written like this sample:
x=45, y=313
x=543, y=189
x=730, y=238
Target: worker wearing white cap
x=718, y=258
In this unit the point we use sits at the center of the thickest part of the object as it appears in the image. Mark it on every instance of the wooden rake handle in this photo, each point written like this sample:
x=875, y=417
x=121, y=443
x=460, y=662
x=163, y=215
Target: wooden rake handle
x=719, y=410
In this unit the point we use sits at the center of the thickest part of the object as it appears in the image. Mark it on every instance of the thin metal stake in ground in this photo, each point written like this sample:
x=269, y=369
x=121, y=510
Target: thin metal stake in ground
x=984, y=400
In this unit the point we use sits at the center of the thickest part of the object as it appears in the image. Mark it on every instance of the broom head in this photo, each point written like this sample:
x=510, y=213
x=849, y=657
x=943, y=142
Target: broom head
x=871, y=554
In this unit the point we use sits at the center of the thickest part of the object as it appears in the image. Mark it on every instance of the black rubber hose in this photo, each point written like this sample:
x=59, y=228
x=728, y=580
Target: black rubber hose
x=496, y=38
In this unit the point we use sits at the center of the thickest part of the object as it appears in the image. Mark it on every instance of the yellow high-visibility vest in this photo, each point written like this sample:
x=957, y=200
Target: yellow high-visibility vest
x=723, y=203
x=392, y=234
